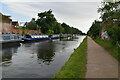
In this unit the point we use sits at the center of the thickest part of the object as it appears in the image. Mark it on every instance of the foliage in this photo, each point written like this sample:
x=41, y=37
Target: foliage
x=114, y=33
x=50, y=32
x=70, y=30
x=46, y=21
x=75, y=67
x=109, y=10
x=95, y=29
x=31, y=25
x=110, y=15
x=48, y=24
x=66, y=28
x=58, y=29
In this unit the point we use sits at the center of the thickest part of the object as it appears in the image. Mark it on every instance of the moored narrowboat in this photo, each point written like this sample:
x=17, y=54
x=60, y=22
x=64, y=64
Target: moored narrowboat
x=28, y=38
x=9, y=40
x=56, y=36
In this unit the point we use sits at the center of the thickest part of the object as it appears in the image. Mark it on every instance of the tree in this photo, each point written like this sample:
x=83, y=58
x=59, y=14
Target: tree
x=46, y=21
x=110, y=15
x=111, y=12
x=95, y=29
x=31, y=25
x=114, y=33
x=66, y=28
x=109, y=9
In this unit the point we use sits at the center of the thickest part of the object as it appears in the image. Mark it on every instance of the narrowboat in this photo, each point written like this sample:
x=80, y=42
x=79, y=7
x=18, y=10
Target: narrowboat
x=56, y=36
x=7, y=40
x=28, y=38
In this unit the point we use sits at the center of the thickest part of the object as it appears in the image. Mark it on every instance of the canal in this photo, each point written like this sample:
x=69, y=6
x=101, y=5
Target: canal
x=38, y=59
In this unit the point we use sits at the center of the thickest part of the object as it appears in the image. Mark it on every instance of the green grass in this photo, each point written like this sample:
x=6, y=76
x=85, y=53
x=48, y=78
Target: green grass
x=112, y=49
x=75, y=67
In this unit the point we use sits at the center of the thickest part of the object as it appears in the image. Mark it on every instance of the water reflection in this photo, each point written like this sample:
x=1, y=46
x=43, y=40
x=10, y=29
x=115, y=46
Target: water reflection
x=37, y=59
x=69, y=38
x=7, y=54
x=46, y=52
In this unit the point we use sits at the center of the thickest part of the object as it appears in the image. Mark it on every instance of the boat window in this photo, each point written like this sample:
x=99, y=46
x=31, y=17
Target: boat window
x=15, y=37
x=6, y=37
x=32, y=36
x=40, y=36
x=12, y=37
x=27, y=36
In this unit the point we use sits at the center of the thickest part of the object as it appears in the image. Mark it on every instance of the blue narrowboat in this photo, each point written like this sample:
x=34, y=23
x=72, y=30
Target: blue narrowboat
x=35, y=38
x=56, y=36
x=9, y=39
x=28, y=38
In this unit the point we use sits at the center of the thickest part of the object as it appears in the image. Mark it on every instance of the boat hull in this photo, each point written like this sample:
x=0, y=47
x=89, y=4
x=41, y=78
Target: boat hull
x=8, y=40
x=10, y=44
x=24, y=40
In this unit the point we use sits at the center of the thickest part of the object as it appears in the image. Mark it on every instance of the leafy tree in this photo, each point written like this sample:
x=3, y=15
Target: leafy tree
x=95, y=29
x=49, y=25
x=46, y=21
x=110, y=15
x=58, y=28
x=50, y=32
x=70, y=30
x=114, y=33
x=110, y=11
x=31, y=25
x=66, y=27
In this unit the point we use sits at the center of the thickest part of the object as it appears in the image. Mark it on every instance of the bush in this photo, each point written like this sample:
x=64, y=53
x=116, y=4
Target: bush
x=114, y=34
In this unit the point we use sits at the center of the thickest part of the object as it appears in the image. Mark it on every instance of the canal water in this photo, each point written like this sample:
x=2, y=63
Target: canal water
x=38, y=59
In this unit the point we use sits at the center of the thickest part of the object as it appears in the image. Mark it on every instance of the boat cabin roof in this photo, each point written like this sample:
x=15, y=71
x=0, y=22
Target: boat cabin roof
x=8, y=35
x=39, y=36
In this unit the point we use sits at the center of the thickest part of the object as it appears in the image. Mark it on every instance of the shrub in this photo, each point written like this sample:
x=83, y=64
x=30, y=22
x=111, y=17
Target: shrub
x=114, y=34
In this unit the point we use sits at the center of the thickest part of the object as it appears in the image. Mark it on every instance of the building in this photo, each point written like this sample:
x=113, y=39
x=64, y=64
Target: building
x=9, y=26
x=5, y=24
x=14, y=30
x=15, y=24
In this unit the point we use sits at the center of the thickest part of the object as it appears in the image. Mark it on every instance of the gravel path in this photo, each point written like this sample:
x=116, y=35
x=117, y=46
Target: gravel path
x=100, y=64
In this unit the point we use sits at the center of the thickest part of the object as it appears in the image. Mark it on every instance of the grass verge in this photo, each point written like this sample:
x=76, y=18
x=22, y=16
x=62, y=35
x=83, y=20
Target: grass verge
x=114, y=50
x=75, y=67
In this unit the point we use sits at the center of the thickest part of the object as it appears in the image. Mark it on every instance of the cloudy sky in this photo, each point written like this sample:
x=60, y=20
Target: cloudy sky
x=76, y=13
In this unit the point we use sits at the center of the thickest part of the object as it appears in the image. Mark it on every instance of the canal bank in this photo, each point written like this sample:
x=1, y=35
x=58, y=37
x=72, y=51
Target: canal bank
x=75, y=67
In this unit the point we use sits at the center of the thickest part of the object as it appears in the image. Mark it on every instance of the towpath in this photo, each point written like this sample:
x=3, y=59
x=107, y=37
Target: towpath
x=100, y=64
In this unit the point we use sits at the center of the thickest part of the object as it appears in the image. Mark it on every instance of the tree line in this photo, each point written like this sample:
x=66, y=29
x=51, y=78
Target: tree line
x=48, y=24
x=110, y=21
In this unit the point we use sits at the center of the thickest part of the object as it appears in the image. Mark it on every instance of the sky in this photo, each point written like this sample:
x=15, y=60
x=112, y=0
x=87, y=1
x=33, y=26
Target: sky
x=76, y=13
